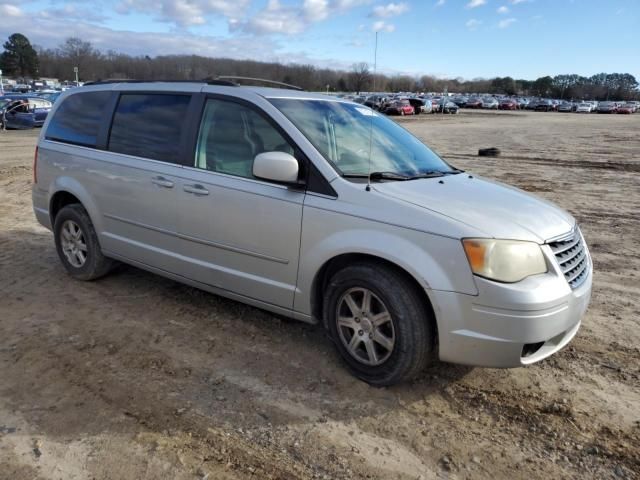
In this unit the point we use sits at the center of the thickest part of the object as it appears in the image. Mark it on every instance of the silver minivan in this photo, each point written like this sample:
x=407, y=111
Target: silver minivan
x=316, y=208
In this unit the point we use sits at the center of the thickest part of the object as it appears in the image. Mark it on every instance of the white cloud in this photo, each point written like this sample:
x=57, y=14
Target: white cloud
x=515, y=2
x=347, y=4
x=476, y=3
x=289, y=19
x=382, y=26
x=72, y=12
x=503, y=10
x=316, y=10
x=185, y=13
x=7, y=10
x=390, y=10
x=275, y=18
x=473, y=24
x=440, y=3
x=506, y=22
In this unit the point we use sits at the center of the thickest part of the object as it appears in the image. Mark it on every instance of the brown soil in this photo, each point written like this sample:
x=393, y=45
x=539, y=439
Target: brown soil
x=138, y=377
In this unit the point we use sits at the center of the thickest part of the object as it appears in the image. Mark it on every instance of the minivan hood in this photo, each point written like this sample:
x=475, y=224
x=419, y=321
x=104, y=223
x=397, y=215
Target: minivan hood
x=498, y=210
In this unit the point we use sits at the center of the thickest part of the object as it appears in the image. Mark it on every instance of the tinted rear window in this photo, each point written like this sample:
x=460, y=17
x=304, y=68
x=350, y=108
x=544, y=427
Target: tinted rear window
x=149, y=126
x=78, y=119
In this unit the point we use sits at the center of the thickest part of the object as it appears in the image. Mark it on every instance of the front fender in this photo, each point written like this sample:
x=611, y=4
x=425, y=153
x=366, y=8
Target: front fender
x=435, y=262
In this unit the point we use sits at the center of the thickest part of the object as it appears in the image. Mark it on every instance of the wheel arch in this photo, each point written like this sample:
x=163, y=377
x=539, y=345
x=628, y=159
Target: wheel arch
x=333, y=265
x=66, y=191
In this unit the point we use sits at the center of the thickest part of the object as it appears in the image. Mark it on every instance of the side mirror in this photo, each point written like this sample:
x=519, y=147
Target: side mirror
x=276, y=166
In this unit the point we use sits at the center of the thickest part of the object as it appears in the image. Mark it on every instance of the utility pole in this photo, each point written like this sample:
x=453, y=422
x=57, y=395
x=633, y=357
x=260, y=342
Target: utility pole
x=75, y=70
x=1, y=85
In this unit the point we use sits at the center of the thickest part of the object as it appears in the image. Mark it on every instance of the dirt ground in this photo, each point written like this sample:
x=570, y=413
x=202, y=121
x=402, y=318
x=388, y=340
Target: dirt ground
x=138, y=377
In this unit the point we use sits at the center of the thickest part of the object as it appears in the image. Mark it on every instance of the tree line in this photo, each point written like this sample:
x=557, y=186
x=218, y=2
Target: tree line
x=21, y=59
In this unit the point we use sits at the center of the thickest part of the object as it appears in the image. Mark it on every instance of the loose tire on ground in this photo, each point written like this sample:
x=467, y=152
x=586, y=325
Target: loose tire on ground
x=76, y=239
x=412, y=324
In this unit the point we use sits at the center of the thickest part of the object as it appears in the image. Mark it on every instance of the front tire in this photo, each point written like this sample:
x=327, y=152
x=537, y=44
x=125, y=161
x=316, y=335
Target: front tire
x=379, y=323
x=77, y=244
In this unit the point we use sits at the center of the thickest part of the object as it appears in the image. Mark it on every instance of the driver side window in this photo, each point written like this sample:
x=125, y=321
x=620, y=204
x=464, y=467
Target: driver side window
x=230, y=137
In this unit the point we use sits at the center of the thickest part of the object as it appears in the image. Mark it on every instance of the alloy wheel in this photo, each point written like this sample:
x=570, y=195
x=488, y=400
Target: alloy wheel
x=365, y=326
x=73, y=243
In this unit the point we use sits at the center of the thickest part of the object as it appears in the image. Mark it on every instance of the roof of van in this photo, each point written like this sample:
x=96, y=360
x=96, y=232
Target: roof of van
x=267, y=92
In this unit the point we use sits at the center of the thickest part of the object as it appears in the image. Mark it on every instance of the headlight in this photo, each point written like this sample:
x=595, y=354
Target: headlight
x=504, y=260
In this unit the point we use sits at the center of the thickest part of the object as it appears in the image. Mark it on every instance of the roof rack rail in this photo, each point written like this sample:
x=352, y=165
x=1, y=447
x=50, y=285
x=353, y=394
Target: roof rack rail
x=210, y=81
x=226, y=80
x=261, y=80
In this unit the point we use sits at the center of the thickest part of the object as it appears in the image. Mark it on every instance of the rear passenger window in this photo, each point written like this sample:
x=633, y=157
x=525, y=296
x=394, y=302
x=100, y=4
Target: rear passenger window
x=78, y=119
x=149, y=126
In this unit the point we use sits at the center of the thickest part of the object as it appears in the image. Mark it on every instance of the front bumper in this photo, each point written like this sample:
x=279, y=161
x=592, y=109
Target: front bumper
x=510, y=325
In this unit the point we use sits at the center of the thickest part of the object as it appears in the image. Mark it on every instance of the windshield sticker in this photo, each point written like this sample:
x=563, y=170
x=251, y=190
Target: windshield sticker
x=367, y=112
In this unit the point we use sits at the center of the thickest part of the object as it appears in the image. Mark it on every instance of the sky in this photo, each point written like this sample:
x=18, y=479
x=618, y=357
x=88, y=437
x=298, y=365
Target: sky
x=447, y=38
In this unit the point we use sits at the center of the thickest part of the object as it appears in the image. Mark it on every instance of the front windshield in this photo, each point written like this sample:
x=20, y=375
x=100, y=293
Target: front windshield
x=345, y=133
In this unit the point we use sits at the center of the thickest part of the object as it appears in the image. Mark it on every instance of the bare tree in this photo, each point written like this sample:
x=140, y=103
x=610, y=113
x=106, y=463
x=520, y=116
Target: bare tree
x=360, y=76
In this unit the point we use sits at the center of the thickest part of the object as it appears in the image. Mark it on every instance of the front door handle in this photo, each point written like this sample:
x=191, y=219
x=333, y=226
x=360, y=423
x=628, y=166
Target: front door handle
x=196, y=189
x=162, y=182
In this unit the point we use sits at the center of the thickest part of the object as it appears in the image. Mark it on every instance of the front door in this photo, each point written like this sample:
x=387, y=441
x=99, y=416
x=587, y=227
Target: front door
x=237, y=232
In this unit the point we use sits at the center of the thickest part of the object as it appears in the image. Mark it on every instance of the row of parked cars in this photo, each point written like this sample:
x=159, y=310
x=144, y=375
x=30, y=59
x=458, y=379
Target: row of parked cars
x=546, y=105
x=413, y=105
x=406, y=105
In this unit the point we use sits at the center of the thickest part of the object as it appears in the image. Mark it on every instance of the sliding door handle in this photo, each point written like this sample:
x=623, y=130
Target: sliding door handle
x=196, y=189
x=162, y=182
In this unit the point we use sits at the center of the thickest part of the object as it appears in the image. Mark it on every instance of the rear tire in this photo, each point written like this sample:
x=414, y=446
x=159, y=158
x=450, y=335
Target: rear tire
x=77, y=244
x=386, y=339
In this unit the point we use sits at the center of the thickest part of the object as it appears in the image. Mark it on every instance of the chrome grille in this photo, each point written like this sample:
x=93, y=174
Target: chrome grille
x=572, y=258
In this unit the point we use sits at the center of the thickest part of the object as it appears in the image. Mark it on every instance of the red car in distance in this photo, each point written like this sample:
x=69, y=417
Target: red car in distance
x=399, y=107
x=626, y=108
x=508, y=105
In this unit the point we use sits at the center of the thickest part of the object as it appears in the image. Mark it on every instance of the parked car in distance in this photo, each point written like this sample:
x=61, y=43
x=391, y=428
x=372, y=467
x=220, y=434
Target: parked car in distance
x=584, y=107
x=626, y=108
x=533, y=104
x=399, y=107
x=508, y=104
x=420, y=105
x=460, y=101
x=490, y=103
x=315, y=208
x=607, y=107
x=375, y=101
x=544, y=106
x=436, y=104
x=444, y=105
x=474, y=102
x=636, y=105
x=23, y=112
x=567, y=107
x=51, y=96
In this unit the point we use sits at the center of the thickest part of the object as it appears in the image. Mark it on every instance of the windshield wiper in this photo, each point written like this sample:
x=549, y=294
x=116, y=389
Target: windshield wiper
x=429, y=174
x=434, y=174
x=379, y=176
x=400, y=177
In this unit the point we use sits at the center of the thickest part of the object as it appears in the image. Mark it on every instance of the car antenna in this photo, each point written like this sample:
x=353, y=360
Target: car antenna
x=375, y=68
